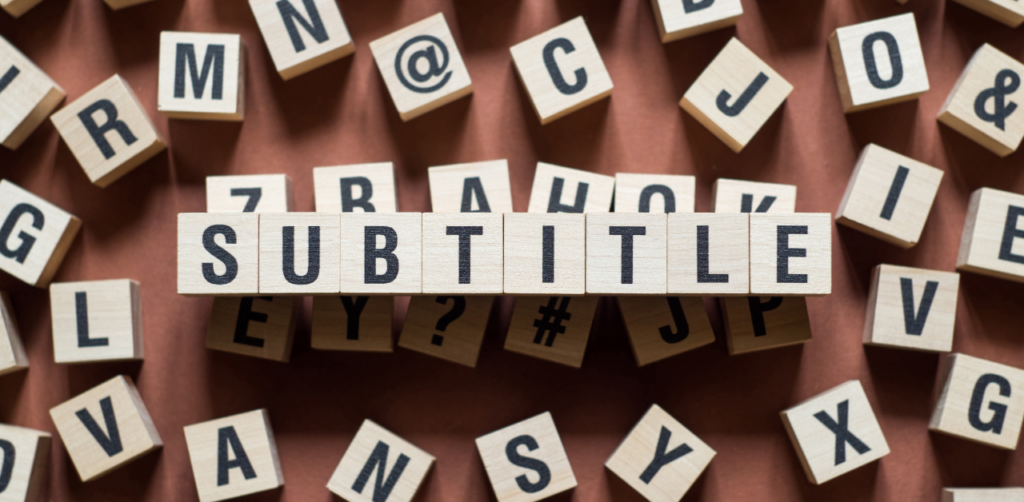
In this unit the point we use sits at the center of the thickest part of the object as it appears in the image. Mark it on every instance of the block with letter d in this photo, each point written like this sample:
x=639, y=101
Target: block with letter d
x=526, y=461
x=234, y=456
x=202, y=76
x=34, y=235
x=981, y=401
x=379, y=465
x=992, y=243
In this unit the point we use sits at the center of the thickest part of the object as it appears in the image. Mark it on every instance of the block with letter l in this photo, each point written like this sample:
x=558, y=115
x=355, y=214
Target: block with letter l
x=97, y=321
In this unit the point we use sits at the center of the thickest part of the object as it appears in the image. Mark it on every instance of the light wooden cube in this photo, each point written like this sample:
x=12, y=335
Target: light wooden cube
x=96, y=321
x=993, y=239
x=260, y=326
x=356, y=188
x=1008, y=12
x=791, y=254
x=34, y=235
x=982, y=494
x=353, y=323
x=302, y=36
x=981, y=104
x=710, y=254
x=735, y=95
x=660, y=458
x=105, y=427
x=553, y=328
x=249, y=193
x=18, y=7
x=981, y=401
x=373, y=449
x=835, y=432
x=760, y=323
x=218, y=254
x=25, y=455
x=660, y=328
x=626, y=253
x=558, y=189
x=27, y=94
x=422, y=67
x=462, y=253
x=300, y=253
x=878, y=63
x=108, y=131
x=562, y=70
x=12, y=351
x=382, y=253
x=234, y=456
x=475, y=187
x=911, y=308
x=739, y=196
x=202, y=76
x=543, y=255
x=654, y=193
x=121, y=4
x=678, y=20
x=447, y=327
x=889, y=196
x=526, y=461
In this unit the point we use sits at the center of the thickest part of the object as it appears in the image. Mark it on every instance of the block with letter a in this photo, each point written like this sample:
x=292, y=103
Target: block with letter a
x=356, y=188
x=218, y=254
x=993, y=239
x=96, y=321
x=34, y=235
x=27, y=94
x=378, y=466
x=202, y=76
x=24, y=454
x=234, y=456
x=980, y=401
x=911, y=308
x=654, y=193
x=474, y=187
x=302, y=35
x=526, y=461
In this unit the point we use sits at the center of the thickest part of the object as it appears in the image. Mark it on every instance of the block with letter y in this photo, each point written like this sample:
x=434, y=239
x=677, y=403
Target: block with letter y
x=379, y=465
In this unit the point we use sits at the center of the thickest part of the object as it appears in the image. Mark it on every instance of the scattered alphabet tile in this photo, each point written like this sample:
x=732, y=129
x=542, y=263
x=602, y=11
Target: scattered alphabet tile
x=993, y=238
x=44, y=234
x=654, y=193
x=791, y=254
x=756, y=323
x=381, y=253
x=553, y=328
x=709, y=254
x=202, y=76
x=218, y=254
x=740, y=196
x=663, y=327
x=234, y=456
x=447, y=327
x=982, y=494
x=474, y=187
x=299, y=253
x=356, y=188
x=911, y=308
x=302, y=35
x=526, y=461
x=353, y=323
x=558, y=189
x=18, y=7
x=1008, y=12
x=543, y=255
x=257, y=326
x=981, y=401
x=27, y=94
x=626, y=253
x=249, y=193
x=25, y=456
x=375, y=449
x=462, y=253
x=12, y=351
x=677, y=20
x=96, y=321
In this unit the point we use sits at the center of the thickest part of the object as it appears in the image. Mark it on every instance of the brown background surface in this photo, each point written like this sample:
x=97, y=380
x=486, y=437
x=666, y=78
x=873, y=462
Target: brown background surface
x=342, y=114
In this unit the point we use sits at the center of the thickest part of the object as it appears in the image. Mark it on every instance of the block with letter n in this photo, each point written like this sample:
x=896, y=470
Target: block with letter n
x=202, y=76
x=302, y=35
x=234, y=456
x=379, y=465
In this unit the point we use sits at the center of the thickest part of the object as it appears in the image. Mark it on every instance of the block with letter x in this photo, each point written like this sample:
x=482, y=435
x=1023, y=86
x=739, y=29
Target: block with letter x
x=526, y=461
x=981, y=401
x=233, y=456
x=379, y=465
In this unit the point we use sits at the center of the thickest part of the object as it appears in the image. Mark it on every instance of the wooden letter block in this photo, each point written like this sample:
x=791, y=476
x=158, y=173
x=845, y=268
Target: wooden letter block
x=108, y=131
x=249, y=193
x=462, y=253
x=121, y=4
x=889, y=196
x=202, y=76
x=558, y=189
x=735, y=95
x=911, y=308
x=654, y=193
x=982, y=494
x=626, y=253
x=678, y=20
x=422, y=67
x=660, y=458
x=105, y=427
x=27, y=95
x=18, y=7
x=357, y=188
x=526, y=461
x=984, y=104
x=835, y=432
x=476, y=187
x=234, y=456
x=300, y=253
x=710, y=254
x=447, y=327
x=25, y=453
x=302, y=35
x=260, y=326
x=12, y=351
x=878, y=63
x=1008, y=12
x=34, y=236
x=791, y=254
x=353, y=323
x=553, y=328
x=981, y=401
x=993, y=240
x=96, y=321
x=382, y=253
x=218, y=254
x=660, y=328
x=562, y=70
x=738, y=196
x=373, y=449
x=759, y=323
x=543, y=255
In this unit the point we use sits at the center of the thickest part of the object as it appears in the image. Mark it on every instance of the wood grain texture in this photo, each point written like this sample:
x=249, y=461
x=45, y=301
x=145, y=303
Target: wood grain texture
x=552, y=328
x=261, y=326
x=315, y=247
x=193, y=255
x=329, y=183
x=221, y=95
x=546, y=446
x=621, y=259
x=96, y=321
x=393, y=265
x=980, y=401
x=270, y=193
x=546, y=197
x=375, y=449
x=27, y=454
x=295, y=57
x=635, y=192
x=31, y=96
x=1008, y=12
x=982, y=494
x=729, y=196
x=44, y=234
x=674, y=22
x=658, y=329
x=992, y=242
x=451, y=269
x=900, y=320
x=718, y=241
x=777, y=264
x=759, y=323
x=12, y=350
x=453, y=185
x=460, y=339
x=529, y=269
x=352, y=323
x=248, y=432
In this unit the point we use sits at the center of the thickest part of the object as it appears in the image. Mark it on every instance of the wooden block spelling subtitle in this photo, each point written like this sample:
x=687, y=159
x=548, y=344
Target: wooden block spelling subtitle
x=993, y=238
x=27, y=94
x=543, y=254
x=526, y=461
x=97, y=321
x=558, y=189
x=353, y=323
x=357, y=188
x=980, y=401
x=982, y=494
x=299, y=253
x=626, y=253
x=654, y=193
x=660, y=328
x=791, y=254
x=1008, y=12
x=739, y=196
x=553, y=328
x=249, y=193
x=462, y=253
x=911, y=308
x=24, y=453
x=677, y=20
x=234, y=456
x=12, y=351
x=758, y=323
x=709, y=254
x=182, y=92
x=218, y=254
x=373, y=449
x=302, y=36
x=475, y=187
x=34, y=236
x=447, y=327
x=257, y=326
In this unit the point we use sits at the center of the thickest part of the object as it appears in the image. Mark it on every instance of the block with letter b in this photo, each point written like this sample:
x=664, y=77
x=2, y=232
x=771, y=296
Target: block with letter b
x=911, y=308
x=982, y=494
x=27, y=94
x=553, y=328
x=202, y=76
x=756, y=323
x=981, y=401
x=379, y=465
x=660, y=328
x=96, y=321
x=257, y=326
x=249, y=193
x=543, y=255
x=299, y=253
x=302, y=35
x=12, y=351
x=993, y=239
x=382, y=253
x=739, y=196
x=709, y=254
x=474, y=187
x=526, y=461
x=462, y=253
x=218, y=254
x=23, y=459
x=558, y=189
x=353, y=323
x=356, y=188
x=626, y=253
x=234, y=456
x=1008, y=12
x=791, y=254
x=34, y=235
x=654, y=193
x=681, y=19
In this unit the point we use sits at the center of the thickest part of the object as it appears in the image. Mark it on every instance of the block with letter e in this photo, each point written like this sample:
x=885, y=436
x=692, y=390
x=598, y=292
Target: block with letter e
x=27, y=94
x=526, y=461
x=233, y=456
x=993, y=238
x=34, y=235
x=791, y=254
x=202, y=76
x=379, y=465
x=980, y=400
x=302, y=35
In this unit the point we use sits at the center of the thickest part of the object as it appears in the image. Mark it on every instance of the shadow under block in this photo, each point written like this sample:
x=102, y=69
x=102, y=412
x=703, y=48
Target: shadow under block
x=878, y=63
x=709, y=254
x=677, y=20
x=249, y=193
x=18, y=7
x=382, y=253
x=553, y=328
x=375, y=449
x=95, y=321
x=202, y=76
x=1008, y=12
x=791, y=254
x=299, y=253
x=981, y=401
x=462, y=253
x=660, y=328
x=654, y=193
x=27, y=94
x=558, y=189
x=660, y=458
x=12, y=351
x=218, y=253
x=911, y=308
x=353, y=323
x=543, y=255
x=24, y=453
x=35, y=235
x=356, y=188
x=739, y=196
x=984, y=104
x=105, y=427
x=260, y=326
x=475, y=187
x=121, y=4
x=422, y=67
x=982, y=494
x=735, y=95
x=561, y=70
x=302, y=35
x=627, y=253
x=889, y=196
x=534, y=441
x=759, y=323
x=234, y=456
x=993, y=239
x=447, y=327
x=835, y=432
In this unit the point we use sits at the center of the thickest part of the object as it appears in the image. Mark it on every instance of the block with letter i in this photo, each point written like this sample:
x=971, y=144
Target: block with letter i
x=1008, y=12
x=249, y=193
x=791, y=254
x=835, y=432
x=234, y=456
x=526, y=461
x=302, y=35
x=558, y=189
x=911, y=308
x=474, y=187
x=663, y=327
x=96, y=321
x=12, y=351
x=993, y=238
x=654, y=193
x=356, y=188
x=23, y=458
x=739, y=196
x=202, y=76
x=218, y=254
x=681, y=19
x=105, y=427
x=980, y=401
x=379, y=465
x=34, y=235
x=27, y=95
x=626, y=253
x=756, y=323
x=982, y=494
x=299, y=253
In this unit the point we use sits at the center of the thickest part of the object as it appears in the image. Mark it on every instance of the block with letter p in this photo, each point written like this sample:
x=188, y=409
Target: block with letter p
x=96, y=321
x=981, y=401
x=791, y=254
x=202, y=76
x=526, y=461
x=302, y=35
x=23, y=459
x=234, y=456
x=379, y=465
x=34, y=235
x=27, y=94
x=218, y=254
x=462, y=253
x=626, y=253
x=993, y=238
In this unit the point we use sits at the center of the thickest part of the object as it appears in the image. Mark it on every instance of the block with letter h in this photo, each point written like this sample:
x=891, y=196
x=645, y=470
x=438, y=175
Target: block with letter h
x=202, y=76
x=993, y=239
x=379, y=465
x=34, y=235
x=302, y=35
x=526, y=461
x=97, y=321
x=980, y=401
x=27, y=94
x=234, y=456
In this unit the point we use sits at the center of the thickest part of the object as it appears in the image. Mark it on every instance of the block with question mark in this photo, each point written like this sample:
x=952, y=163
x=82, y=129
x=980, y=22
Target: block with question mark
x=447, y=327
